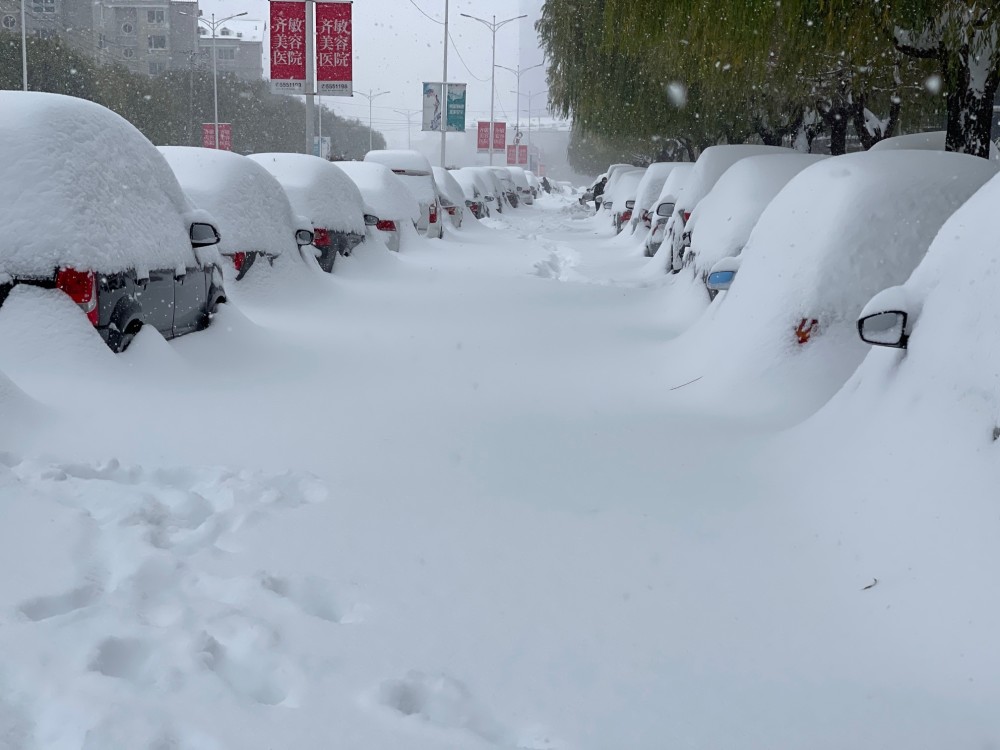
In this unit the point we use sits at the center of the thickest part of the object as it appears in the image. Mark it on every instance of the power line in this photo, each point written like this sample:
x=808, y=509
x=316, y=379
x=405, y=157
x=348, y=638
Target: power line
x=439, y=23
x=465, y=64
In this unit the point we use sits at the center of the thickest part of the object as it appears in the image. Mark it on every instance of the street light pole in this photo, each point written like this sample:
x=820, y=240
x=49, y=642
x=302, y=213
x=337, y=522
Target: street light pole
x=214, y=25
x=24, y=50
x=517, y=102
x=444, y=90
x=407, y=113
x=370, y=96
x=531, y=95
x=493, y=67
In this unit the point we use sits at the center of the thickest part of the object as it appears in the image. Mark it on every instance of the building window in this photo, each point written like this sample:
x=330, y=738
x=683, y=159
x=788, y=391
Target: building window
x=158, y=41
x=9, y=22
x=43, y=6
x=155, y=68
x=128, y=27
x=45, y=34
x=155, y=16
x=128, y=52
x=227, y=53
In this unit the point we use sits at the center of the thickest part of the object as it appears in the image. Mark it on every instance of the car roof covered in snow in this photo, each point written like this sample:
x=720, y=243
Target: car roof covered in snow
x=385, y=196
x=674, y=184
x=81, y=187
x=931, y=141
x=318, y=190
x=652, y=183
x=611, y=191
x=712, y=163
x=448, y=186
x=628, y=187
x=823, y=259
x=519, y=177
x=400, y=159
x=472, y=186
x=723, y=220
x=249, y=205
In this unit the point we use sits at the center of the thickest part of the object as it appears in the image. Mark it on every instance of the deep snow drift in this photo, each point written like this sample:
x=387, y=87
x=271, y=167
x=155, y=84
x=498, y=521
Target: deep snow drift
x=454, y=498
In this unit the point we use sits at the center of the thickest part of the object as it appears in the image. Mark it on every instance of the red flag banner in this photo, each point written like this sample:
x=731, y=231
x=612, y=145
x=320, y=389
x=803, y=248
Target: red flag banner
x=511, y=155
x=483, y=136
x=522, y=155
x=334, y=49
x=288, y=47
x=499, y=136
x=225, y=135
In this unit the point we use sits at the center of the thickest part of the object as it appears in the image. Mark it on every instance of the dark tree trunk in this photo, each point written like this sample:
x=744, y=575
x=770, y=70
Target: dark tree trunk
x=870, y=139
x=836, y=119
x=770, y=137
x=970, y=113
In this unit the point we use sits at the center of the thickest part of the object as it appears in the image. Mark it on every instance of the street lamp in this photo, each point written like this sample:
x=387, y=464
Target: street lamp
x=519, y=72
x=214, y=25
x=531, y=95
x=493, y=68
x=369, y=96
x=24, y=50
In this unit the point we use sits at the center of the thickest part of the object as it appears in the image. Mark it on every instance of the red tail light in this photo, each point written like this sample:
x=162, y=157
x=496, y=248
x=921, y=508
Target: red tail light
x=81, y=286
x=474, y=207
x=687, y=215
x=321, y=237
x=238, y=260
x=451, y=210
x=386, y=225
x=627, y=216
x=434, y=214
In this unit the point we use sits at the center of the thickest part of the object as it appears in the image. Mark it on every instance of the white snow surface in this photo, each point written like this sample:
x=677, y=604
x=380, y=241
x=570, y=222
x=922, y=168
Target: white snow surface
x=722, y=221
x=475, y=496
x=930, y=141
x=674, y=184
x=472, y=188
x=317, y=189
x=57, y=210
x=627, y=188
x=409, y=160
x=251, y=210
x=384, y=195
x=621, y=177
x=712, y=164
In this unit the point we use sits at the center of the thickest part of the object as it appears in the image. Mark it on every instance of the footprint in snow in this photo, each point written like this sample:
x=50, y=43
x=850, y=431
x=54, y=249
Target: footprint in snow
x=311, y=594
x=46, y=607
x=244, y=654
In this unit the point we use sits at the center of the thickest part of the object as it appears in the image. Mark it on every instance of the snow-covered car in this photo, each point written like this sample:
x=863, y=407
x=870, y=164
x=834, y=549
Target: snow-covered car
x=522, y=185
x=248, y=204
x=933, y=140
x=324, y=195
x=721, y=224
x=663, y=206
x=612, y=196
x=711, y=165
x=89, y=206
x=625, y=192
x=451, y=195
x=414, y=171
x=473, y=190
x=508, y=189
x=534, y=182
x=810, y=265
x=488, y=184
x=649, y=188
x=390, y=208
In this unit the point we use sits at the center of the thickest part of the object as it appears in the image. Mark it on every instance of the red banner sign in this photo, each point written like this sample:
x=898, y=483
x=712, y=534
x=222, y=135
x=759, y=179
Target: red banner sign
x=288, y=47
x=499, y=136
x=334, y=49
x=225, y=135
x=511, y=155
x=522, y=155
x=483, y=136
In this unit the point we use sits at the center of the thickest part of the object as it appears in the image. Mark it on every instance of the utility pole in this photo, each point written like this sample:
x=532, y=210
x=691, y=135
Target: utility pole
x=370, y=96
x=517, y=102
x=310, y=72
x=24, y=50
x=214, y=25
x=493, y=66
x=408, y=113
x=444, y=90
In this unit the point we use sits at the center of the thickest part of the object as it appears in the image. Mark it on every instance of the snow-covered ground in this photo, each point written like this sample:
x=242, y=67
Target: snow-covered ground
x=459, y=497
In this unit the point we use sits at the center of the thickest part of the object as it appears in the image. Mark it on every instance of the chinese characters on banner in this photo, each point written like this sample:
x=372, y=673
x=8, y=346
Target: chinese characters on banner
x=522, y=155
x=225, y=135
x=334, y=50
x=434, y=104
x=511, y=155
x=288, y=47
x=483, y=136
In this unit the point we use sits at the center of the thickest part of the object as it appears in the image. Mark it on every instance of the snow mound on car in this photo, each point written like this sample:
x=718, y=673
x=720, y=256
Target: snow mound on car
x=249, y=205
x=318, y=190
x=384, y=195
x=651, y=185
x=932, y=141
x=82, y=187
x=839, y=232
x=722, y=222
x=711, y=165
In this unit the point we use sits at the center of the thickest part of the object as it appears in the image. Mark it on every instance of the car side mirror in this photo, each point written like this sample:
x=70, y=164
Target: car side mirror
x=720, y=281
x=204, y=235
x=370, y=221
x=629, y=205
x=886, y=328
x=665, y=210
x=304, y=237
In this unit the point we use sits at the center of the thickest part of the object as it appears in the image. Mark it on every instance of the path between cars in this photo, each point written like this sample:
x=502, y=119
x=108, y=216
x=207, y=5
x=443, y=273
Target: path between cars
x=440, y=499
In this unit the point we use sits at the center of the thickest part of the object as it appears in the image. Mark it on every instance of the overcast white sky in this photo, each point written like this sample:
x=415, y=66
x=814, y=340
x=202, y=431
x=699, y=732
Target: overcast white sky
x=396, y=48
